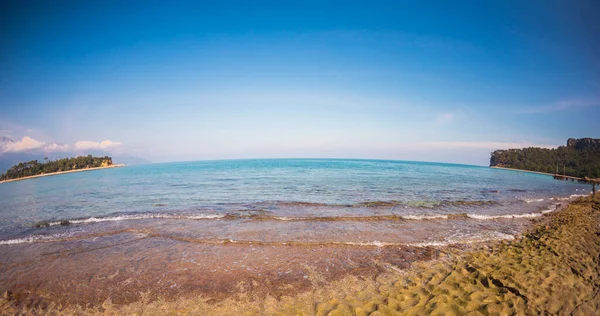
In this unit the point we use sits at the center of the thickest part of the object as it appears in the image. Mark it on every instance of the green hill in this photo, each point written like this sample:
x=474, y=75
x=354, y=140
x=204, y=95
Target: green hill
x=580, y=158
x=34, y=168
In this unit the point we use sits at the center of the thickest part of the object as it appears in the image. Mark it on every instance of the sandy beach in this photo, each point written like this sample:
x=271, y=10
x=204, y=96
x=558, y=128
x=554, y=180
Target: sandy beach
x=314, y=158
x=62, y=172
x=552, y=268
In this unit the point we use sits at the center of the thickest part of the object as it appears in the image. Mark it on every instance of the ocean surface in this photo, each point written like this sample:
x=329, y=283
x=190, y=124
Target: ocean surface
x=283, y=201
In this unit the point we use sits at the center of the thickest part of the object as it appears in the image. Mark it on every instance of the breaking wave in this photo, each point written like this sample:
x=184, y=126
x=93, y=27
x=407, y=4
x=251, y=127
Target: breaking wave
x=125, y=218
x=37, y=238
x=481, y=237
x=507, y=216
x=532, y=200
x=269, y=217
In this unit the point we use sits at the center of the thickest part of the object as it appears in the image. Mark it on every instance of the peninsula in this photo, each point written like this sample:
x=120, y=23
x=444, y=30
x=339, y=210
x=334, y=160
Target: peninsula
x=580, y=158
x=35, y=169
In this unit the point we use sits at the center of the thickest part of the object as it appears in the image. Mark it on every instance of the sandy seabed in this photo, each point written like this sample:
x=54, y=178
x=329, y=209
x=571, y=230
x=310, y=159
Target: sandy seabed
x=553, y=268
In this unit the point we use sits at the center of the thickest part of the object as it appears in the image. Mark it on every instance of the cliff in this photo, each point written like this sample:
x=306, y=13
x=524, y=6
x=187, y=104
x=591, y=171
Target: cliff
x=583, y=143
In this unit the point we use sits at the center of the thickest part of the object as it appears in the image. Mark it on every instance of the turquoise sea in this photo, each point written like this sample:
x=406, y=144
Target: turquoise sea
x=283, y=200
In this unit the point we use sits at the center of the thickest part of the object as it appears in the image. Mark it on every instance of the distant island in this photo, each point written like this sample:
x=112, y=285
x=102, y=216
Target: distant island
x=34, y=169
x=580, y=158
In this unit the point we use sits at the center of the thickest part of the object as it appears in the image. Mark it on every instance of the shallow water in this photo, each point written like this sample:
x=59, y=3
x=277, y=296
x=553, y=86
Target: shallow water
x=283, y=200
x=218, y=229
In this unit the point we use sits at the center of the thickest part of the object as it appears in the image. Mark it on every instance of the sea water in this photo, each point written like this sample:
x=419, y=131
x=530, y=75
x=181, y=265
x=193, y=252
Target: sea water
x=283, y=201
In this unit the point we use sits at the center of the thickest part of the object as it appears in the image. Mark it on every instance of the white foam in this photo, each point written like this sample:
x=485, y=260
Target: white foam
x=204, y=216
x=424, y=217
x=368, y=243
x=430, y=244
x=119, y=218
x=18, y=241
x=577, y=195
x=285, y=218
x=551, y=209
x=406, y=217
x=36, y=238
x=137, y=217
x=484, y=237
x=465, y=239
x=532, y=200
x=484, y=217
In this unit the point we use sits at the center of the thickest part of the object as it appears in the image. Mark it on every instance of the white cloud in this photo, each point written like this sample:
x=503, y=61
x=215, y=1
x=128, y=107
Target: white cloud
x=86, y=145
x=481, y=145
x=444, y=117
x=441, y=146
x=57, y=147
x=30, y=144
x=26, y=144
x=563, y=106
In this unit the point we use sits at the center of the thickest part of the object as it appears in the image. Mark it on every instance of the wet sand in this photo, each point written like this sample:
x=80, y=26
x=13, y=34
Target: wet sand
x=554, y=268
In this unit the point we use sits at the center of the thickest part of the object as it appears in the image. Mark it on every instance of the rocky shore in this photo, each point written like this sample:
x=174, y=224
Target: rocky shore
x=554, y=268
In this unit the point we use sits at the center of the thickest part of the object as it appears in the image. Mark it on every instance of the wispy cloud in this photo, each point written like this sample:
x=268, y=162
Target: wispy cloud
x=444, y=117
x=17, y=131
x=420, y=146
x=482, y=145
x=57, y=147
x=87, y=145
x=28, y=144
x=563, y=106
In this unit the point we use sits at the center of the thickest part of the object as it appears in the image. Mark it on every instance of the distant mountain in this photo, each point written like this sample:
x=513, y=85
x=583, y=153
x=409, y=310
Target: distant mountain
x=580, y=158
x=8, y=160
x=120, y=158
x=130, y=160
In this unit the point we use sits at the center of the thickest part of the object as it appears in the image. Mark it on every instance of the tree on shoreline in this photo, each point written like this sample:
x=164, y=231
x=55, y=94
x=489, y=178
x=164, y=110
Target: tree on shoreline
x=33, y=167
x=580, y=158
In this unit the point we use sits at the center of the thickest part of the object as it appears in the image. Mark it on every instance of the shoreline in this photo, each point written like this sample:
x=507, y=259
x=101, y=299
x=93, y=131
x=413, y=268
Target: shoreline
x=522, y=170
x=62, y=172
x=555, y=176
x=523, y=276
x=555, y=258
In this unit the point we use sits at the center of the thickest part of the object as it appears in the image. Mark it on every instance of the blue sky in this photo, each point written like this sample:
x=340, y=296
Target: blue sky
x=416, y=80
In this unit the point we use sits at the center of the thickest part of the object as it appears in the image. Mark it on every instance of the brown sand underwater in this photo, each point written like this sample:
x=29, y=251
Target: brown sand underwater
x=554, y=268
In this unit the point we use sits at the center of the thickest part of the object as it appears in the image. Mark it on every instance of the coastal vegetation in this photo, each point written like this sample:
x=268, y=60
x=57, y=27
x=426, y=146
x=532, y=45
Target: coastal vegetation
x=34, y=167
x=580, y=158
